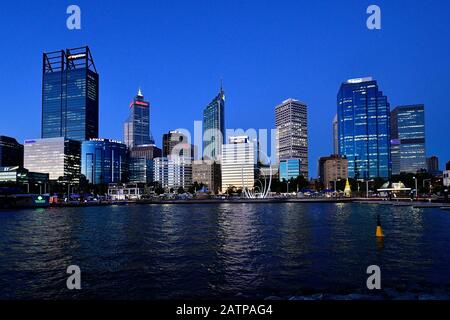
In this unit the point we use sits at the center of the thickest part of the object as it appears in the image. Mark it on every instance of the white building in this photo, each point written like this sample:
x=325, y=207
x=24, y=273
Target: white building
x=173, y=172
x=238, y=163
x=447, y=178
x=118, y=192
x=59, y=157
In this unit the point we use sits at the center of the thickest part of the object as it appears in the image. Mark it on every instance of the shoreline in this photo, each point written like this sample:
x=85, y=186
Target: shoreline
x=421, y=203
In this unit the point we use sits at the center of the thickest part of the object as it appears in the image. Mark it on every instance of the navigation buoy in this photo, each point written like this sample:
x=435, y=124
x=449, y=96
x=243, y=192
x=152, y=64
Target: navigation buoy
x=379, y=233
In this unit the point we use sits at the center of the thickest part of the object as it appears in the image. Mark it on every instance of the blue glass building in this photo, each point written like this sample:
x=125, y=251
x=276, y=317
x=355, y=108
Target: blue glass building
x=214, y=127
x=141, y=170
x=290, y=169
x=104, y=161
x=137, y=126
x=364, y=129
x=408, y=139
x=70, y=95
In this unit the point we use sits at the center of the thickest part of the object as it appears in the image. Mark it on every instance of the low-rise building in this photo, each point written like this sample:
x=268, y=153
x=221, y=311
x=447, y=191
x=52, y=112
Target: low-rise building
x=173, y=173
x=33, y=181
x=238, y=163
x=207, y=172
x=59, y=157
x=331, y=169
x=119, y=192
x=289, y=169
x=447, y=178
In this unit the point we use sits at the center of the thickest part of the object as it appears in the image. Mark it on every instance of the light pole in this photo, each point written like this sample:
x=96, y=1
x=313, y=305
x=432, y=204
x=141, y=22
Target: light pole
x=417, y=195
x=367, y=188
x=335, y=181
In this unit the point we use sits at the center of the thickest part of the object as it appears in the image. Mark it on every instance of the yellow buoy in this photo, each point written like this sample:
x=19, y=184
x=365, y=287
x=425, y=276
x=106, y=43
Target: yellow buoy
x=379, y=232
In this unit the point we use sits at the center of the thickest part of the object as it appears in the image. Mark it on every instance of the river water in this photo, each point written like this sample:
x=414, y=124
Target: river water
x=225, y=251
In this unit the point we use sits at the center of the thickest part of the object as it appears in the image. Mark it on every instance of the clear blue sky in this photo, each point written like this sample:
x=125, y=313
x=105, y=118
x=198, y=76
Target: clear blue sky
x=266, y=51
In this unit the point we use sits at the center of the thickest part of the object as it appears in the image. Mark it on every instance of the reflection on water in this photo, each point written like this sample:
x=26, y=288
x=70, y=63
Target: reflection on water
x=221, y=251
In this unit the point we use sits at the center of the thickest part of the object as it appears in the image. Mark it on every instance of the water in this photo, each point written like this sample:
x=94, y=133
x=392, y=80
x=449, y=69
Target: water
x=226, y=251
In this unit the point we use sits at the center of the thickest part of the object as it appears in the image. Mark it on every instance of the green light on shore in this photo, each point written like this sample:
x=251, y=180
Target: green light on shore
x=40, y=200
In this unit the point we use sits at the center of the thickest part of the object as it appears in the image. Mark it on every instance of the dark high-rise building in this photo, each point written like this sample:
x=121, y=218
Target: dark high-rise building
x=11, y=152
x=137, y=126
x=432, y=164
x=104, y=161
x=408, y=139
x=176, y=144
x=364, y=128
x=214, y=127
x=70, y=95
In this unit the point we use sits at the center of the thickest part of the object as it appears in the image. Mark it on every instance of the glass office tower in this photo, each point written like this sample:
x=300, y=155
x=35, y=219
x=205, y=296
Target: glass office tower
x=408, y=139
x=104, y=161
x=214, y=127
x=290, y=169
x=137, y=126
x=364, y=128
x=70, y=85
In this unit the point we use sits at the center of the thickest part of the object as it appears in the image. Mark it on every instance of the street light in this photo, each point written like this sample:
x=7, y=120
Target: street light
x=335, y=181
x=367, y=187
x=417, y=195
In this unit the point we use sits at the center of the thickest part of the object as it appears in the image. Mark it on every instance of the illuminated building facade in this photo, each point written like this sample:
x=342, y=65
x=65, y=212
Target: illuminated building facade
x=364, y=129
x=70, y=102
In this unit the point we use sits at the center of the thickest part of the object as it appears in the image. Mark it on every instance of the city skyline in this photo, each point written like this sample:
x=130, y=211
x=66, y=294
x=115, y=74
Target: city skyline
x=252, y=87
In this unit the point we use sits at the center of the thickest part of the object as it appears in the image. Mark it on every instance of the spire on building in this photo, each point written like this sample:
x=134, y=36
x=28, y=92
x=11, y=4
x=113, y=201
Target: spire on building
x=140, y=93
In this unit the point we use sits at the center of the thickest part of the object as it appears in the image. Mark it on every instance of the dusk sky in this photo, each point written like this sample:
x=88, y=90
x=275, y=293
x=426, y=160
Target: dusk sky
x=265, y=51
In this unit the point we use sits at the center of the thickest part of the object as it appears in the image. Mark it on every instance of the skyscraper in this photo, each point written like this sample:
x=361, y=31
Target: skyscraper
x=364, y=128
x=291, y=119
x=408, y=139
x=432, y=164
x=176, y=144
x=137, y=126
x=70, y=85
x=214, y=127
